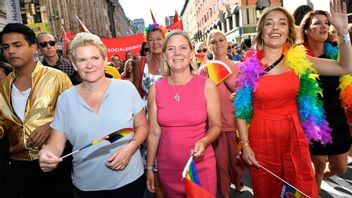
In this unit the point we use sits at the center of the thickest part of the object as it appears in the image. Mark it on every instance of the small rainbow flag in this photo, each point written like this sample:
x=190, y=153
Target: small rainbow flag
x=112, y=137
x=200, y=58
x=218, y=71
x=192, y=182
x=290, y=192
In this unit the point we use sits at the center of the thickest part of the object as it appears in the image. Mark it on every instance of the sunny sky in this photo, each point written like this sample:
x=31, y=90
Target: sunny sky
x=135, y=9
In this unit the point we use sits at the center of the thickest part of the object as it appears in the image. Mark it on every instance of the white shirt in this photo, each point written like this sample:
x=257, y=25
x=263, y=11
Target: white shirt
x=19, y=100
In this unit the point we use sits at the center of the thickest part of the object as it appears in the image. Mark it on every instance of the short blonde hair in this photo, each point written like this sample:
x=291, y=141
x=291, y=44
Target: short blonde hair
x=166, y=69
x=84, y=39
x=213, y=32
x=258, y=39
x=197, y=45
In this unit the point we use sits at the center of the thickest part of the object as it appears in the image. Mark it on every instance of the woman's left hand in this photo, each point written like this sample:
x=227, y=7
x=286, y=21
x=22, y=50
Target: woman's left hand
x=119, y=160
x=338, y=16
x=199, y=149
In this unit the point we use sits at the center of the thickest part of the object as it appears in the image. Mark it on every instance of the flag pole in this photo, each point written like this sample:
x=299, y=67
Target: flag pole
x=282, y=180
x=184, y=172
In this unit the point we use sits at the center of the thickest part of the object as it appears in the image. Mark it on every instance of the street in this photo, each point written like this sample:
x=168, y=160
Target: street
x=338, y=186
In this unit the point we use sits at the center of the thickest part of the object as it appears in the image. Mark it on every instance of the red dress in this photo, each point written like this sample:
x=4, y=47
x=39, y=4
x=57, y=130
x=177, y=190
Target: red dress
x=182, y=124
x=277, y=138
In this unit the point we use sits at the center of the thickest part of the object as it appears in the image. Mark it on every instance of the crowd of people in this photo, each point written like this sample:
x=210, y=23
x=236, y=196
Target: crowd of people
x=271, y=113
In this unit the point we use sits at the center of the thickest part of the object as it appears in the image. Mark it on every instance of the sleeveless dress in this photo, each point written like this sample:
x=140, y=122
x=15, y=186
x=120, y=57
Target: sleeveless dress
x=277, y=138
x=182, y=124
x=335, y=115
x=147, y=80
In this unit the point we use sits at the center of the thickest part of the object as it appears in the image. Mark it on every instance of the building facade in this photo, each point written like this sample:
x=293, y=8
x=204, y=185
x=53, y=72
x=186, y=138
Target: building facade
x=3, y=17
x=188, y=14
x=236, y=18
x=139, y=24
x=105, y=18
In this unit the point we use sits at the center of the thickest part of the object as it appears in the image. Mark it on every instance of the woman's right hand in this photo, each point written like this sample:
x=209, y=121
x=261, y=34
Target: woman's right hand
x=150, y=181
x=48, y=160
x=248, y=156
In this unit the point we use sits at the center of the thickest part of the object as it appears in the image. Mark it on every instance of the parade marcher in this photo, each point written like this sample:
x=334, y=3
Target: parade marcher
x=144, y=49
x=128, y=55
x=201, y=50
x=28, y=100
x=130, y=66
x=148, y=69
x=117, y=62
x=286, y=108
x=175, y=134
x=229, y=168
x=5, y=69
x=84, y=114
x=48, y=47
x=314, y=33
x=6, y=179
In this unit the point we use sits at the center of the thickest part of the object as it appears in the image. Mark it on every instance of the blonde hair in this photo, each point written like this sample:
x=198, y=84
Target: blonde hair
x=197, y=45
x=84, y=39
x=258, y=40
x=214, y=32
x=165, y=69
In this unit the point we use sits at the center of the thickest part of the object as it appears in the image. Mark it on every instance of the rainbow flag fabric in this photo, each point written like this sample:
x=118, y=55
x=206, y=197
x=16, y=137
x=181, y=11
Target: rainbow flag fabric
x=218, y=71
x=192, y=182
x=290, y=192
x=200, y=58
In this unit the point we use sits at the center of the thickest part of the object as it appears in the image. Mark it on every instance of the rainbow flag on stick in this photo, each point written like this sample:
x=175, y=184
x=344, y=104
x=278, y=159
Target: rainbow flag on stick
x=112, y=137
x=288, y=190
x=291, y=192
x=192, y=182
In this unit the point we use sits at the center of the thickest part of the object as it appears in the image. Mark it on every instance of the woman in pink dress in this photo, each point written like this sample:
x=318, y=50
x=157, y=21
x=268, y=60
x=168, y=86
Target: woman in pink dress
x=184, y=118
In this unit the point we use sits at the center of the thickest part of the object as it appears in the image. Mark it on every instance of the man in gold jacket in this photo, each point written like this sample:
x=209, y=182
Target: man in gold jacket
x=27, y=104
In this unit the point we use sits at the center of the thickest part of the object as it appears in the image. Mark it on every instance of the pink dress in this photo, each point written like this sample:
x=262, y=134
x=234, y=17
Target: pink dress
x=182, y=124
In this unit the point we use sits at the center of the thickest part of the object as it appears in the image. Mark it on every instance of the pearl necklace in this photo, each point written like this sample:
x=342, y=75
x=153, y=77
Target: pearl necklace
x=177, y=97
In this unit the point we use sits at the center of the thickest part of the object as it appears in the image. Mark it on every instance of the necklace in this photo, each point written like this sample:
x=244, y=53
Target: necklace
x=177, y=97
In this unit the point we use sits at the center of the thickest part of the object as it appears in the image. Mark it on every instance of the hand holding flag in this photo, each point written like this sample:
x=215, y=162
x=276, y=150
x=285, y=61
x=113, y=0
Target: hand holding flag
x=112, y=137
x=192, y=182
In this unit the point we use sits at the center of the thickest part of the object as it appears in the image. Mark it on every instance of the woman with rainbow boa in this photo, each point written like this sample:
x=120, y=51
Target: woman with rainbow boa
x=337, y=94
x=281, y=103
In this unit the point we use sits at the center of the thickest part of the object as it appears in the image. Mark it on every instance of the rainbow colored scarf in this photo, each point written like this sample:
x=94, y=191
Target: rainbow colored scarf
x=345, y=86
x=311, y=112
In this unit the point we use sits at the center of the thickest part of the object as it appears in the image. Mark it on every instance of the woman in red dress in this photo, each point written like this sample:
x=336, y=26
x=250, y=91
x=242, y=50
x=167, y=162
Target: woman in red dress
x=276, y=137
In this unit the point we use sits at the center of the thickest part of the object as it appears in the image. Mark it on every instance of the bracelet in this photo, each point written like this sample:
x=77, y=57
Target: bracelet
x=149, y=168
x=244, y=143
x=345, y=38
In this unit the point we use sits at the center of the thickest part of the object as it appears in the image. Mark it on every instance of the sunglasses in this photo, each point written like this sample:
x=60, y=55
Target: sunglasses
x=45, y=44
x=202, y=50
x=146, y=49
x=230, y=47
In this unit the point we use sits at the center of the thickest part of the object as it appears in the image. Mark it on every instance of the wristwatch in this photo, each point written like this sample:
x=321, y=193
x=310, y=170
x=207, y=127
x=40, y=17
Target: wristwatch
x=345, y=38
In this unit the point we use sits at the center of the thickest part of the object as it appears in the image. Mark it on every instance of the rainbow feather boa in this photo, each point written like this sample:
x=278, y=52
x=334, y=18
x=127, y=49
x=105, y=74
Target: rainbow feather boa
x=311, y=112
x=345, y=81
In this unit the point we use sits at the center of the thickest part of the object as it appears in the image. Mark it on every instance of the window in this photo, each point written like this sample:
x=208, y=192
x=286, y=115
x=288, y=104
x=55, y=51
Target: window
x=37, y=17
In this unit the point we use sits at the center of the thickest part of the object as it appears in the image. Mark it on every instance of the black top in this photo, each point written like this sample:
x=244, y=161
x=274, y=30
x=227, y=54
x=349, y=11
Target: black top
x=335, y=116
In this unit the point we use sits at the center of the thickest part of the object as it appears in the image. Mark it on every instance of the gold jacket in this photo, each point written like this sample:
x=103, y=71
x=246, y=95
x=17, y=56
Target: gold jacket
x=47, y=85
